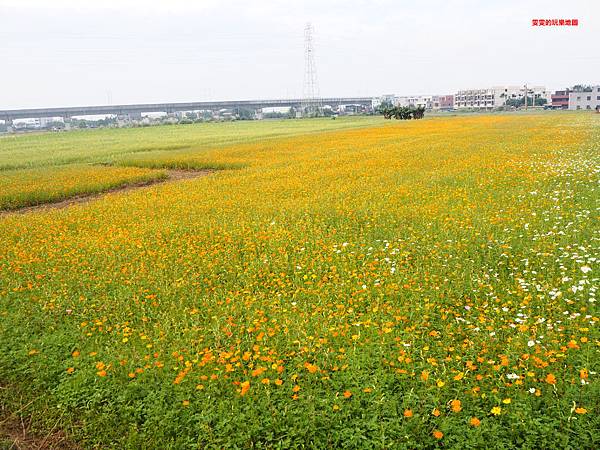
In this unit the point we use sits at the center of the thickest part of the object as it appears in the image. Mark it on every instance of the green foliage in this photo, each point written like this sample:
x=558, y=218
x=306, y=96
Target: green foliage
x=402, y=112
x=519, y=102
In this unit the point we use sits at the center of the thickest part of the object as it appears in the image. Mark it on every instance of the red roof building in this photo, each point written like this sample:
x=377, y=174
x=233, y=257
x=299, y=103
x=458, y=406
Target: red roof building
x=560, y=99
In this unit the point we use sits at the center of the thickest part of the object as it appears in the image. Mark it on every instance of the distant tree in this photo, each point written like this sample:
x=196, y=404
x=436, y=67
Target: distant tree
x=245, y=114
x=385, y=108
x=518, y=102
x=403, y=112
x=275, y=115
x=582, y=88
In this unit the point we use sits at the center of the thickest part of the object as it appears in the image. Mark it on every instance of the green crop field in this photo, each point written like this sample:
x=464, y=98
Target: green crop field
x=356, y=283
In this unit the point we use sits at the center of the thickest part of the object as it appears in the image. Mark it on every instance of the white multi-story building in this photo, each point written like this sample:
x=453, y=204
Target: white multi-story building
x=496, y=96
x=587, y=98
x=426, y=101
x=474, y=98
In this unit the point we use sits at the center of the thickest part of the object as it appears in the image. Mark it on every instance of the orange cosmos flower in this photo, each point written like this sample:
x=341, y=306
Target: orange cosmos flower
x=438, y=434
x=475, y=422
x=580, y=410
x=550, y=379
x=347, y=394
x=456, y=405
x=408, y=413
x=311, y=367
x=245, y=385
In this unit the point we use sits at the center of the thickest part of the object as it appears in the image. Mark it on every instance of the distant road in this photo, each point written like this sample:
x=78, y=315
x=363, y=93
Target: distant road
x=12, y=114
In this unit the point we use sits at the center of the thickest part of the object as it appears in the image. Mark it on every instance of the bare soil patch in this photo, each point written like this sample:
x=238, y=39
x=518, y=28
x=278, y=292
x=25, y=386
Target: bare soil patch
x=15, y=434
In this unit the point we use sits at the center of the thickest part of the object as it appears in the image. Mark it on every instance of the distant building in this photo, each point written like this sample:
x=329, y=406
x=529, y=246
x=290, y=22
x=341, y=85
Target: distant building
x=386, y=98
x=560, y=99
x=475, y=99
x=446, y=102
x=585, y=98
x=495, y=97
x=426, y=101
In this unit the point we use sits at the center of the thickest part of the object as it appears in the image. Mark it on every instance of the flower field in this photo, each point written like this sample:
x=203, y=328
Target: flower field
x=415, y=284
x=29, y=187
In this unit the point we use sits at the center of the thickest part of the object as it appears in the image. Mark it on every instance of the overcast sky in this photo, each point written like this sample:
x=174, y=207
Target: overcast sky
x=83, y=52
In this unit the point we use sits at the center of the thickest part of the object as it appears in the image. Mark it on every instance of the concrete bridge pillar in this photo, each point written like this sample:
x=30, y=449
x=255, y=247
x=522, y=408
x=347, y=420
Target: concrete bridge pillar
x=9, y=125
x=67, y=120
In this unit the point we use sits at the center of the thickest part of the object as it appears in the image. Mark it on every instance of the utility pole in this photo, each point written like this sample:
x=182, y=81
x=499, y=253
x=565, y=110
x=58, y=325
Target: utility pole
x=311, y=101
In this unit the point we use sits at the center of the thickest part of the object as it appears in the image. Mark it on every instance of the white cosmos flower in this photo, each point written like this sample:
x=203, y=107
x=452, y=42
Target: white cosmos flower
x=530, y=343
x=532, y=390
x=586, y=269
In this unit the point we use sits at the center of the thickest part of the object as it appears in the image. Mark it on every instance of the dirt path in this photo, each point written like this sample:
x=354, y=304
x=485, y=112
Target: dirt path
x=173, y=175
x=15, y=434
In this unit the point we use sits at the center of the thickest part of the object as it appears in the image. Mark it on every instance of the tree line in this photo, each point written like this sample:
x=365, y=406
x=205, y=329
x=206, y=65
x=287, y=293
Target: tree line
x=401, y=112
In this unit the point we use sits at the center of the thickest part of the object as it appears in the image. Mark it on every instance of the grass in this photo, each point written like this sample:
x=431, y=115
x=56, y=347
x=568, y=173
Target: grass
x=400, y=285
x=104, y=145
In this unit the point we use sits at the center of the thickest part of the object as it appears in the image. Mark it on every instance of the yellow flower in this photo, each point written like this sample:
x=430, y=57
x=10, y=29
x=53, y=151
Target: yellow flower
x=506, y=401
x=496, y=410
x=440, y=383
x=185, y=403
x=580, y=410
